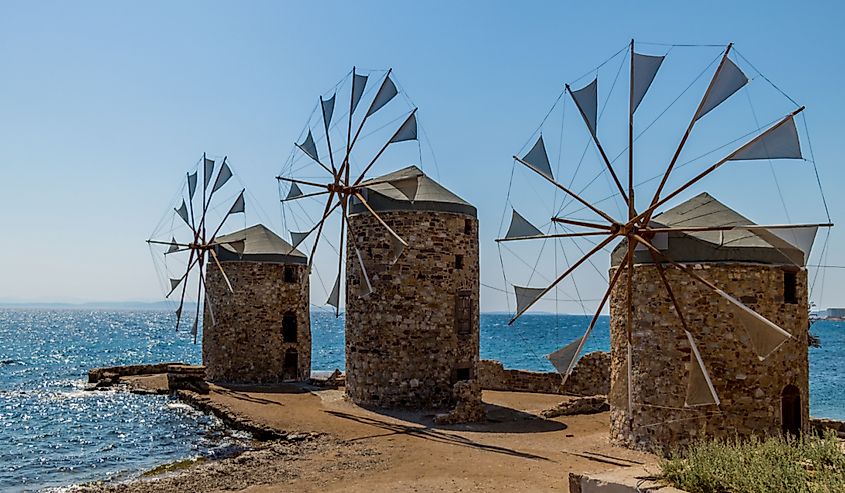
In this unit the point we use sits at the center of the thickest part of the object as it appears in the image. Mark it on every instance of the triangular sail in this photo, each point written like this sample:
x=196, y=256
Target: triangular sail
x=764, y=335
x=174, y=283
x=587, y=100
x=407, y=187
x=327, y=106
x=366, y=286
x=786, y=240
x=729, y=80
x=780, y=142
x=208, y=170
x=293, y=192
x=396, y=249
x=238, y=246
x=334, y=297
x=359, y=82
x=564, y=358
x=386, y=92
x=174, y=247
x=525, y=297
x=408, y=130
x=192, y=185
x=644, y=69
x=700, y=390
x=238, y=206
x=296, y=238
x=521, y=228
x=538, y=159
x=309, y=147
x=183, y=213
x=222, y=177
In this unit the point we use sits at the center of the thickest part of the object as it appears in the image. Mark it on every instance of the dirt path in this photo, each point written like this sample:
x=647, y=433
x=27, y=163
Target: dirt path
x=370, y=452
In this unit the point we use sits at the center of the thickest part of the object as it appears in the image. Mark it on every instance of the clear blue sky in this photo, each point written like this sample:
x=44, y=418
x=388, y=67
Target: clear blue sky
x=104, y=105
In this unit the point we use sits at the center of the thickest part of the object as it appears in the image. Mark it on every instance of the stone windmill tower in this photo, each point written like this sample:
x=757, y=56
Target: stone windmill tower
x=740, y=392
x=708, y=310
x=411, y=319
x=258, y=331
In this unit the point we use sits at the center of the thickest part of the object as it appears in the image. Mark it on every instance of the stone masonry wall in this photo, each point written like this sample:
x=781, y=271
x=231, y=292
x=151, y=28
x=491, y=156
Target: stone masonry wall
x=245, y=344
x=591, y=376
x=749, y=389
x=403, y=348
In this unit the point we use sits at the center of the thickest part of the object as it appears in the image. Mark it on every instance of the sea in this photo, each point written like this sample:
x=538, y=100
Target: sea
x=55, y=434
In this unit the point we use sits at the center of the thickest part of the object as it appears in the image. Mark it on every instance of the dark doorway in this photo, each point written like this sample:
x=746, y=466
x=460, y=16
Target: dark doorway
x=791, y=410
x=290, y=366
x=289, y=327
x=790, y=287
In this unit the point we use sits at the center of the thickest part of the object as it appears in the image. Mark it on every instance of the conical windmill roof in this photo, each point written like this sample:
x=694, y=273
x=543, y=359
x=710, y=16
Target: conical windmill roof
x=739, y=245
x=430, y=195
x=259, y=245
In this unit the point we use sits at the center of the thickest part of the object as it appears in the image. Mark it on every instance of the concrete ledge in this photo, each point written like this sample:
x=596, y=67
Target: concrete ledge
x=622, y=480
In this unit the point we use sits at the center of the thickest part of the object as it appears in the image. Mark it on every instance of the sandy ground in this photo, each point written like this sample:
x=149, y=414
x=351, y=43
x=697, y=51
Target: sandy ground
x=360, y=450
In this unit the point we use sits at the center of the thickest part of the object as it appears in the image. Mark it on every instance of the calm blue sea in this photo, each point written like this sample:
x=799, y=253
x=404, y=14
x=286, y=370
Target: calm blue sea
x=54, y=434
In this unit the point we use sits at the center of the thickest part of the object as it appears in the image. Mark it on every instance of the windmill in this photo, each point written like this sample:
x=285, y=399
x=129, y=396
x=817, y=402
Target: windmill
x=198, y=222
x=640, y=231
x=337, y=182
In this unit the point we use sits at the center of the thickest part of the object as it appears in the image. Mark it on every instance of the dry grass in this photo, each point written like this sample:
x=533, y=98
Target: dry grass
x=808, y=464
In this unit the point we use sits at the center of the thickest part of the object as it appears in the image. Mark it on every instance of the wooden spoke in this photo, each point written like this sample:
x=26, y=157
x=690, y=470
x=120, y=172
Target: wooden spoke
x=305, y=196
x=219, y=226
x=319, y=227
x=383, y=148
x=629, y=317
x=328, y=139
x=599, y=146
x=586, y=224
x=303, y=182
x=168, y=243
x=595, y=319
x=692, y=229
x=557, y=235
x=312, y=157
x=363, y=201
x=680, y=147
x=570, y=193
x=340, y=248
x=647, y=213
x=568, y=271
x=344, y=167
x=219, y=266
x=662, y=271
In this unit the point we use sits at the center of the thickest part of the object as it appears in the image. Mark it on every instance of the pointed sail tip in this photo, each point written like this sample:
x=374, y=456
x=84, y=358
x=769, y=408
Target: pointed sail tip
x=727, y=81
x=309, y=147
x=587, y=101
x=521, y=228
x=538, y=159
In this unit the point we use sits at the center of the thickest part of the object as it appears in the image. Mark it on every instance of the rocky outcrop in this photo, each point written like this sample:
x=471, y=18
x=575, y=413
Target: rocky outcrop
x=161, y=378
x=469, y=408
x=580, y=405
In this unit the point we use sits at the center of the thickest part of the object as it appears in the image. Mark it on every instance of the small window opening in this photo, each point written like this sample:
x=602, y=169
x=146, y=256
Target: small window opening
x=290, y=274
x=790, y=282
x=459, y=262
x=289, y=327
x=791, y=410
x=462, y=374
x=467, y=226
x=290, y=365
x=463, y=314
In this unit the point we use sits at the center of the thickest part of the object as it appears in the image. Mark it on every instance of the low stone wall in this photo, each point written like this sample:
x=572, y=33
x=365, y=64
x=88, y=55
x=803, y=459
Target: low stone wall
x=591, y=376
x=493, y=376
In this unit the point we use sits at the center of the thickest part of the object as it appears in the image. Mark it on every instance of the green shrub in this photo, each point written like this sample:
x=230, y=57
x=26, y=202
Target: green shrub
x=809, y=464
